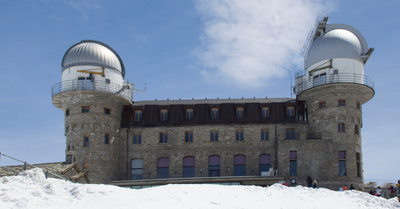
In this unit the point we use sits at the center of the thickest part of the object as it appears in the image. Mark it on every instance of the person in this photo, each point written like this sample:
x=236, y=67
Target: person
x=392, y=191
x=372, y=191
x=398, y=190
x=352, y=187
x=309, y=181
x=315, y=184
x=284, y=183
x=345, y=187
x=378, y=191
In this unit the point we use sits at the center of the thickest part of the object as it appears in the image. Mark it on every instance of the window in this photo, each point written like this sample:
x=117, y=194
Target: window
x=188, y=167
x=164, y=115
x=290, y=134
x=290, y=111
x=106, y=138
x=264, y=162
x=86, y=141
x=356, y=130
x=107, y=111
x=341, y=127
x=67, y=112
x=322, y=104
x=213, y=166
x=293, y=163
x=137, y=169
x=239, y=135
x=342, y=163
x=214, y=113
x=213, y=136
x=341, y=102
x=163, y=137
x=85, y=109
x=264, y=135
x=358, y=159
x=188, y=136
x=189, y=113
x=239, y=112
x=265, y=112
x=137, y=138
x=138, y=115
x=358, y=105
x=163, y=168
x=239, y=165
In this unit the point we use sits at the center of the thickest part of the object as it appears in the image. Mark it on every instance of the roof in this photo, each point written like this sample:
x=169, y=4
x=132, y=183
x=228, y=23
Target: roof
x=212, y=101
x=94, y=53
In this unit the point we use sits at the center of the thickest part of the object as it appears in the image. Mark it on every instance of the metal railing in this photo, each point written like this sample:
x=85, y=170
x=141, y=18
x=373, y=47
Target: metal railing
x=125, y=91
x=333, y=79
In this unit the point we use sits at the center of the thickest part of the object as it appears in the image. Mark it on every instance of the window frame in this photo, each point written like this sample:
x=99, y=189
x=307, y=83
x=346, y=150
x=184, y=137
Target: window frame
x=214, y=113
x=137, y=169
x=239, y=133
x=214, y=135
x=341, y=102
x=264, y=112
x=264, y=134
x=239, y=168
x=189, y=113
x=341, y=127
x=264, y=166
x=342, y=163
x=293, y=163
x=188, y=171
x=239, y=112
x=107, y=111
x=106, y=138
x=322, y=104
x=86, y=140
x=188, y=136
x=163, y=137
x=85, y=109
x=163, y=114
x=290, y=134
x=137, y=138
x=290, y=113
x=138, y=115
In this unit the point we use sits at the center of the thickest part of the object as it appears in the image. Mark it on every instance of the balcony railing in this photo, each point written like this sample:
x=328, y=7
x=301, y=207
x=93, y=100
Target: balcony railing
x=125, y=91
x=332, y=79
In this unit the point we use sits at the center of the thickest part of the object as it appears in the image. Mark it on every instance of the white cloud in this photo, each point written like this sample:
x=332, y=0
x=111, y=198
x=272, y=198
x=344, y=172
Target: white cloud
x=253, y=42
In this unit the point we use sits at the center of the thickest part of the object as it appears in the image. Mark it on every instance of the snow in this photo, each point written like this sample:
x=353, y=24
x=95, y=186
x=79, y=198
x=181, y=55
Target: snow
x=30, y=189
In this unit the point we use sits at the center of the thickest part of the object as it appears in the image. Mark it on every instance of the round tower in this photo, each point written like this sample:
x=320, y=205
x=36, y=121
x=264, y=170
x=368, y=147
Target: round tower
x=334, y=89
x=92, y=94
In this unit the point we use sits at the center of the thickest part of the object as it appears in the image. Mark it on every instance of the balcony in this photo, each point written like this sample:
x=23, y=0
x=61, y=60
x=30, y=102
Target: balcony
x=302, y=84
x=125, y=91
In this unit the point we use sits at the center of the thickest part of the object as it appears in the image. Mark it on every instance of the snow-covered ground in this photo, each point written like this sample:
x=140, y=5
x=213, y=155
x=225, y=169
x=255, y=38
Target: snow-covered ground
x=31, y=190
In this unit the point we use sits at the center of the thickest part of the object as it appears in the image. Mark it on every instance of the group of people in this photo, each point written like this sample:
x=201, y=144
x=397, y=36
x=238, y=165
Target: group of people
x=311, y=183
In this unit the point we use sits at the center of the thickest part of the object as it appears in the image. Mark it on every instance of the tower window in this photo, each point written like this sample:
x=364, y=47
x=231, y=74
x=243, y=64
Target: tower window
x=356, y=130
x=358, y=105
x=264, y=135
x=358, y=159
x=138, y=115
x=164, y=115
x=290, y=111
x=214, y=113
x=85, y=109
x=188, y=136
x=137, y=138
x=107, y=111
x=106, y=138
x=322, y=104
x=67, y=112
x=341, y=127
x=239, y=112
x=86, y=141
x=239, y=135
x=265, y=112
x=189, y=113
x=163, y=137
x=341, y=102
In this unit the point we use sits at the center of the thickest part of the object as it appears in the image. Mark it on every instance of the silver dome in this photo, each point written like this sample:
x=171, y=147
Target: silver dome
x=95, y=53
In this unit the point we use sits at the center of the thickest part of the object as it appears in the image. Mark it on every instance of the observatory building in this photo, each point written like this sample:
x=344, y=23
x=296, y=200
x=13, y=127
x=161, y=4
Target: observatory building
x=110, y=138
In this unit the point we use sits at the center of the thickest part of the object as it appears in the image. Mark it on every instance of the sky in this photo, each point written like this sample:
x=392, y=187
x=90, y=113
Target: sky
x=187, y=49
x=31, y=190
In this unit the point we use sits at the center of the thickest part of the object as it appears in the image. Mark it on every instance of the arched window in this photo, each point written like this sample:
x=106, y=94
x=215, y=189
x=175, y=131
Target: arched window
x=239, y=165
x=264, y=163
x=356, y=130
x=341, y=127
x=213, y=165
x=163, y=168
x=188, y=167
x=137, y=169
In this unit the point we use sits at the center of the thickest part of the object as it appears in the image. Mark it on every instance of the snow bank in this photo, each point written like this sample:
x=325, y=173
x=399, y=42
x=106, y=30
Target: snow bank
x=31, y=190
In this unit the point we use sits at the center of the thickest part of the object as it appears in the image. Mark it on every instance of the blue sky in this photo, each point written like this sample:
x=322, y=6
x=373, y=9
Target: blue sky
x=187, y=49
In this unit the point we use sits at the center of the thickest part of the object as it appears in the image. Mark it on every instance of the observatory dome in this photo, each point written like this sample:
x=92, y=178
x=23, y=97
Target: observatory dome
x=337, y=43
x=93, y=53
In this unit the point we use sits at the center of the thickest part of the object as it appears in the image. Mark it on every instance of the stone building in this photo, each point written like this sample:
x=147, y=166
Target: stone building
x=257, y=141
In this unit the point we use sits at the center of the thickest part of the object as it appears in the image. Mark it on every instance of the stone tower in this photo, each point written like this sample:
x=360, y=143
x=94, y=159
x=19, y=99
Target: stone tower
x=92, y=94
x=334, y=88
